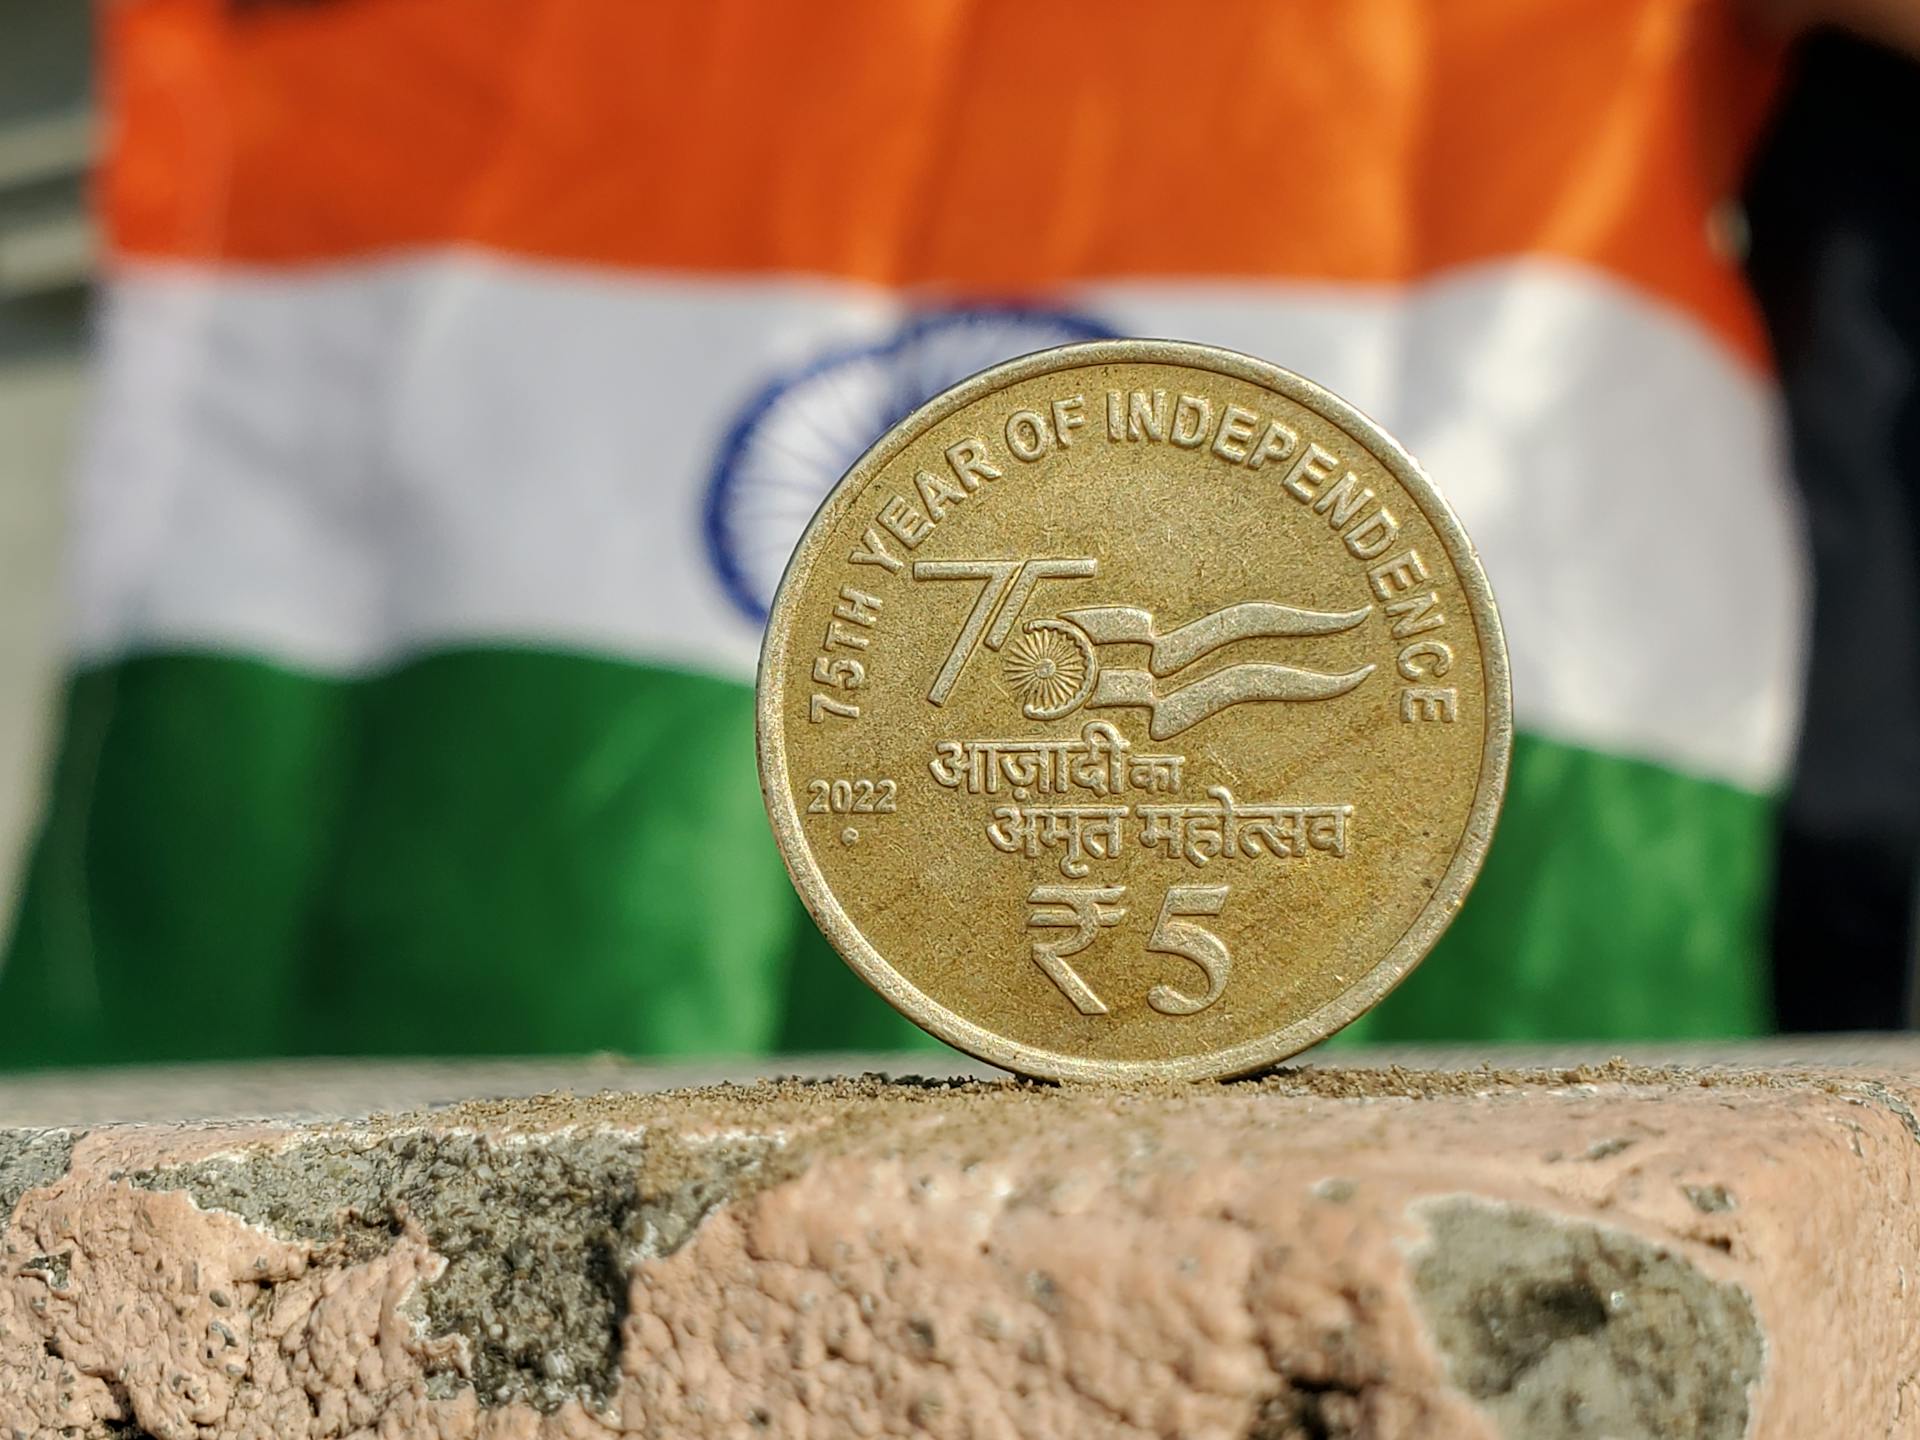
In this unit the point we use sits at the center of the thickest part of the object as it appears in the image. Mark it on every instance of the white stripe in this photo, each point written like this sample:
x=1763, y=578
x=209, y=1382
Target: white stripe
x=337, y=468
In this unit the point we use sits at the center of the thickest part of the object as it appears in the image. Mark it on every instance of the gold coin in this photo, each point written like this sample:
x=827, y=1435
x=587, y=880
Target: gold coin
x=1134, y=709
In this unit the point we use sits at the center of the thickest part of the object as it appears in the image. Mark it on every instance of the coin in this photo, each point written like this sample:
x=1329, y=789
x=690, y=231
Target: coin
x=1134, y=709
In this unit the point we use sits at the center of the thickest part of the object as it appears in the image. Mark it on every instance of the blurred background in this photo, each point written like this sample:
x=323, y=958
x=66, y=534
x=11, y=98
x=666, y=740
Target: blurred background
x=406, y=408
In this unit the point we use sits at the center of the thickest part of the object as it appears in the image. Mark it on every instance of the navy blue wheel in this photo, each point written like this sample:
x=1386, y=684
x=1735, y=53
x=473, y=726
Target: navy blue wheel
x=803, y=430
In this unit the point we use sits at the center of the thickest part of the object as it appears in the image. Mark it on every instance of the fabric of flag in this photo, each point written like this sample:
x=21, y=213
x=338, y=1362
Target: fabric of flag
x=469, y=369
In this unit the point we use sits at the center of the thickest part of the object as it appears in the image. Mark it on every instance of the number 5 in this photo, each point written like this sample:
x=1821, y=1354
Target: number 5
x=1173, y=936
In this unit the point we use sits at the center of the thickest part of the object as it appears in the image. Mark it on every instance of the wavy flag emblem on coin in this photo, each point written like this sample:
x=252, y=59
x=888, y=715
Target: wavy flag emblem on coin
x=1186, y=706
x=1053, y=669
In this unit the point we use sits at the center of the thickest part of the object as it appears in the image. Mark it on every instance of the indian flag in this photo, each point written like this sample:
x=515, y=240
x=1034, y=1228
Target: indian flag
x=468, y=370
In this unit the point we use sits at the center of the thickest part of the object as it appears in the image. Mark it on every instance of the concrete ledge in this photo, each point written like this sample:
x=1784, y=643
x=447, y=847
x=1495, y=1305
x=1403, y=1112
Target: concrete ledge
x=1330, y=1252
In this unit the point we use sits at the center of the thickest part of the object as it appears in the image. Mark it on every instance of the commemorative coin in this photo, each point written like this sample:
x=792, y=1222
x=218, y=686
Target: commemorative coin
x=1134, y=709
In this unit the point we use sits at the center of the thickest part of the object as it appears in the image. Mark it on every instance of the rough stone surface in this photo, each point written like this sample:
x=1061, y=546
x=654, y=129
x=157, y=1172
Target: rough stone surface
x=1324, y=1254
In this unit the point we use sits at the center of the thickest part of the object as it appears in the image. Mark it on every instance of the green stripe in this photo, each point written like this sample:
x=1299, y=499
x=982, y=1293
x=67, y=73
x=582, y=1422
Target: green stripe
x=509, y=851
x=488, y=851
x=1619, y=901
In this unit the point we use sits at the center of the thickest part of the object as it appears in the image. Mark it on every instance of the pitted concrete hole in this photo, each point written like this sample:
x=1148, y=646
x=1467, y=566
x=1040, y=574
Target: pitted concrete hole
x=1311, y=1410
x=28, y=1160
x=1563, y=1330
x=539, y=1233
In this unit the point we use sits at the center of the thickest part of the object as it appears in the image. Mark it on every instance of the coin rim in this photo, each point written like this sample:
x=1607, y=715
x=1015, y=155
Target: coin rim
x=796, y=852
